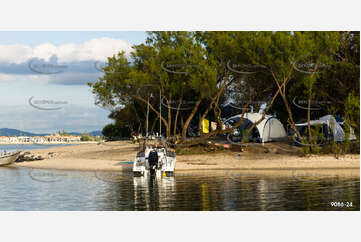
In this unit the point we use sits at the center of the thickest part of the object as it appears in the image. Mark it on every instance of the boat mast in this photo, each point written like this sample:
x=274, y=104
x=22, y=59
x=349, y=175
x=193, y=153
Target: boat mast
x=146, y=134
x=160, y=112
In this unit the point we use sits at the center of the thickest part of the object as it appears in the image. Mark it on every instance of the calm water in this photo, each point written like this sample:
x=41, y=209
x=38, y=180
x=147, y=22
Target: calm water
x=28, y=147
x=32, y=189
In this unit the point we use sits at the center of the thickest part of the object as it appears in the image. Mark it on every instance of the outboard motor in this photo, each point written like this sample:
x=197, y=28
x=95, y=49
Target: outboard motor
x=153, y=159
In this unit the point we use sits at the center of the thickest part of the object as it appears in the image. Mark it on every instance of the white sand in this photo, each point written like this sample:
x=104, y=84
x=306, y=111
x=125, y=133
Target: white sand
x=107, y=157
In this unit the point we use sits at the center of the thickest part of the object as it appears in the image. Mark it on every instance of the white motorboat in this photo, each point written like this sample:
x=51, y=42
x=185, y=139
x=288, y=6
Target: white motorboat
x=154, y=160
x=8, y=158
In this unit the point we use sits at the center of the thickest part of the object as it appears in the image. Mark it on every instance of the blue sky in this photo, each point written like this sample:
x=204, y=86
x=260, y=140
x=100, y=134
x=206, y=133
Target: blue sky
x=55, y=67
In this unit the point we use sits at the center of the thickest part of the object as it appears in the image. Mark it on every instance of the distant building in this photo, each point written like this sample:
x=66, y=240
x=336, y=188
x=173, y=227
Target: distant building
x=13, y=139
x=38, y=139
x=54, y=138
x=23, y=139
x=4, y=139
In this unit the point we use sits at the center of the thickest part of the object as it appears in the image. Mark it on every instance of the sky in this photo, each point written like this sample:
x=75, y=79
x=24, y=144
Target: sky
x=44, y=76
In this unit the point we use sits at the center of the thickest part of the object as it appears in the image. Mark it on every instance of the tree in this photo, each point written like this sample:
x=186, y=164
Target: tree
x=115, y=131
x=319, y=49
x=123, y=81
x=278, y=53
x=174, y=69
x=87, y=137
x=340, y=84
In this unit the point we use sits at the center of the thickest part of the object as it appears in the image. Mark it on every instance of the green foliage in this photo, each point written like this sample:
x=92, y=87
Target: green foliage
x=244, y=133
x=172, y=63
x=339, y=78
x=192, y=66
x=115, y=131
x=87, y=137
x=352, y=113
x=63, y=133
x=312, y=143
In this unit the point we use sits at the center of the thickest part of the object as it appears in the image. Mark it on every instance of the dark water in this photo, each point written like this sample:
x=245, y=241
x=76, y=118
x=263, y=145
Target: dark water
x=32, y=189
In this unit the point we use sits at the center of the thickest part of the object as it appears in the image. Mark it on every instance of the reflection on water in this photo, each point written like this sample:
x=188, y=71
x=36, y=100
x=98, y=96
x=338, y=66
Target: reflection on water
x=27, y=189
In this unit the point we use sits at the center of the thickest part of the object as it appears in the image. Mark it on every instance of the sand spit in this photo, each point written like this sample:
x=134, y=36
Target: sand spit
x=113, y=156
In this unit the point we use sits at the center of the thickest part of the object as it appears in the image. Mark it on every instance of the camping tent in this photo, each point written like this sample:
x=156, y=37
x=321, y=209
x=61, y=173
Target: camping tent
x=269, y=129
x=336, y=127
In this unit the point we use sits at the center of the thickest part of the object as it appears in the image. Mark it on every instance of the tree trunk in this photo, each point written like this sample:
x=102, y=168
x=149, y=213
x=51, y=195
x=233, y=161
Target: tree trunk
x=189, y=119
x=154, y=124
x=263, y=116
x=216, y=132
x=292, y=123
x=169, y=117
x=282, y=89
x=176, y=117
x=210, y=105
x=309, y=103
x=309, y=117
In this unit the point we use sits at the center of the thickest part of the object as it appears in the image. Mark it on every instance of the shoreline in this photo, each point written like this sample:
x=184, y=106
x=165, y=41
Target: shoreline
x=45, y=144
x=108, y=157
x=302, y=175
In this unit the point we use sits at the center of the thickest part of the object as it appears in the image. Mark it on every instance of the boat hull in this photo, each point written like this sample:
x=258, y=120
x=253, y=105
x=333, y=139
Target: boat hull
x=165, y=165
x=8, y=159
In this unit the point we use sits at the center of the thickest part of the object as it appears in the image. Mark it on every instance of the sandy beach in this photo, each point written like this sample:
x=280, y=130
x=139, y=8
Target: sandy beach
x=113, y=156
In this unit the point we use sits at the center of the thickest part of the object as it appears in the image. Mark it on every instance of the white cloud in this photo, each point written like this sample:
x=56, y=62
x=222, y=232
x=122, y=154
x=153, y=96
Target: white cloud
x=95, y=49
x=15, y=53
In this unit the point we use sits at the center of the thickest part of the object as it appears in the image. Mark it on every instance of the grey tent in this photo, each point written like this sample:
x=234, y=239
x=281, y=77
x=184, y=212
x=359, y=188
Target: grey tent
x=336, y=127
x=269, y=129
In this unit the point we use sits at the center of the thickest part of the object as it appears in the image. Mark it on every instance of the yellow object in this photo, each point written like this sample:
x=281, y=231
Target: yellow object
x=164, y=175
x=205, y=126
x=205, y=198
